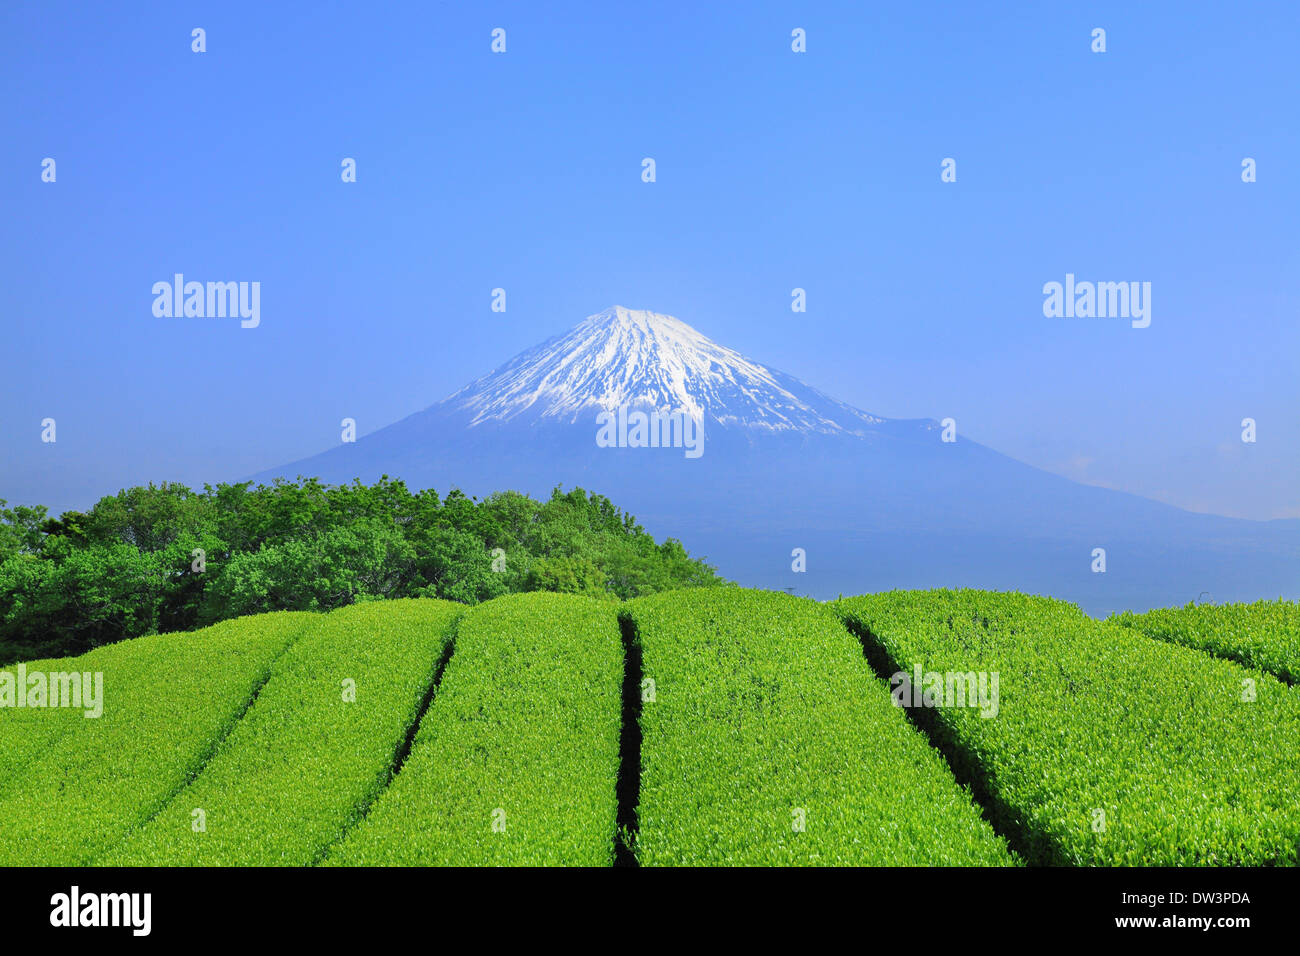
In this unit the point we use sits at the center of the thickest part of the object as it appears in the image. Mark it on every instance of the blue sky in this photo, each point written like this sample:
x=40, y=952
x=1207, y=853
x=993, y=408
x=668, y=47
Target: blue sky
x=775, y=170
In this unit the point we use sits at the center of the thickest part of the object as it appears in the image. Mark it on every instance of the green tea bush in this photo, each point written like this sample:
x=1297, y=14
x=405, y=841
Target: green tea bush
x=169, y=699
x=1265, y=634
x=315, y=749
x=1107, y=748
x=516, y=761
x=27, y=733
x=769, y=741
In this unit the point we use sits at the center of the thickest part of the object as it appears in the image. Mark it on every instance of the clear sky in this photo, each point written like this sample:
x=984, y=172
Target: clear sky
x=775, y=170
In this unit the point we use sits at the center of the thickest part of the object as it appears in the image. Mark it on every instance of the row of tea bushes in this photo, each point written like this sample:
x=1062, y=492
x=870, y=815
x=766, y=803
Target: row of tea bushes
x=315, y=749
x=168, y=701
x=516, y=761
x=767, y=740
x=1265, y=634
x=1107, y=748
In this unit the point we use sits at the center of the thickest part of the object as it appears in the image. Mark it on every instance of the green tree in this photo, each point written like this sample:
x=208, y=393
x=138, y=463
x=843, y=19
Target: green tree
x=165, y=557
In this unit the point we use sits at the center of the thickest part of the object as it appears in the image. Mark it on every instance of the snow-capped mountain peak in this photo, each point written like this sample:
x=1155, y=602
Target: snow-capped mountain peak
x=641, y=359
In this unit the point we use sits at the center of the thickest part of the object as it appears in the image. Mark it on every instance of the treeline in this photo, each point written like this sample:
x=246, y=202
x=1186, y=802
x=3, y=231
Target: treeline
x=168, y=558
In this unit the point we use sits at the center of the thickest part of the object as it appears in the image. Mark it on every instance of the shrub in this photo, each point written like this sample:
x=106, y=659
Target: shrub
x=1265, y=634
x=168, y=702
x=1108, y=748
x=516, y=761
x=765, y=718
x=303, y=764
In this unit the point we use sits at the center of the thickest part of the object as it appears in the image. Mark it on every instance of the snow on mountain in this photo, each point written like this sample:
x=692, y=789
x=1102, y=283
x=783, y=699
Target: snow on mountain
x=635, y=358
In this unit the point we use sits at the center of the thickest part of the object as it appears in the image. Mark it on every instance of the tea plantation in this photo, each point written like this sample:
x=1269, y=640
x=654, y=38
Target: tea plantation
x=1108, y=748
x=1265, y=634
x=707, y=726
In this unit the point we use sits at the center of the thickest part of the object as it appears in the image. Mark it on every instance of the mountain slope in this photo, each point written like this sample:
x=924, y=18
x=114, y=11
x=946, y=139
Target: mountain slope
x=622, y=357
x=873, y=503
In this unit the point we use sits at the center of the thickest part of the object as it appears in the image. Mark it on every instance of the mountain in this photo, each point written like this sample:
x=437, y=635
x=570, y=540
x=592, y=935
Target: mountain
x=873, y=503
x=622, y=357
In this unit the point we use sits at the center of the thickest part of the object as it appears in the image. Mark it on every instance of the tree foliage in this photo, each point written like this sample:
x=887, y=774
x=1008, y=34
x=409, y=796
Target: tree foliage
x=169, y=558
